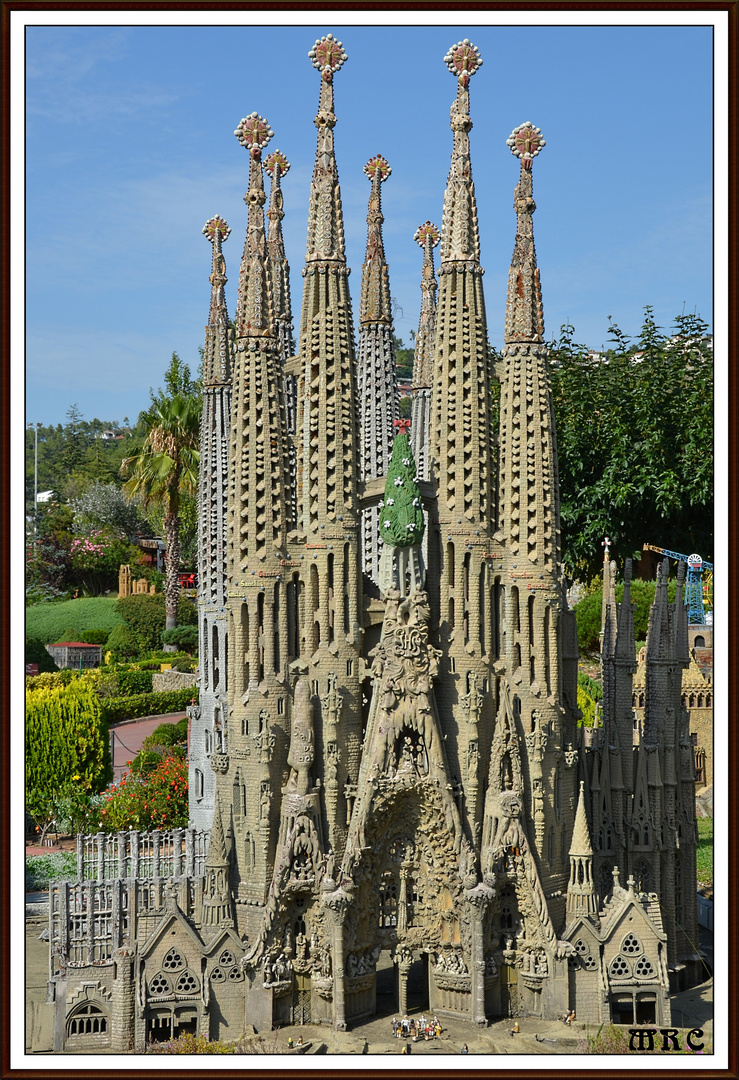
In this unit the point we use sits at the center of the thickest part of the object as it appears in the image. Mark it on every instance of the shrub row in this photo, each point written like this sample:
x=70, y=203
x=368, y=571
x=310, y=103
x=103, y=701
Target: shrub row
x=129, y=708
x=66, y=737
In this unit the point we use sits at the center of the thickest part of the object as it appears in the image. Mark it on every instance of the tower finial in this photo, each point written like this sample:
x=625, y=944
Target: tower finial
x=460, y=240
x=217, y=353
x=253, y=311
x=325, y=222
x=524, y=311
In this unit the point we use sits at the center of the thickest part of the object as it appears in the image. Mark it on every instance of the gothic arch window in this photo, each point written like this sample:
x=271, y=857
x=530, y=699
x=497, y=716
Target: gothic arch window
x=708, y=701
x=691, y=701
x=606, y=881
x=173, y=961
x=87, y=1019
x=631, y=945
x=550, y=846
x=700, y=642
x=643, y=969
x=187, y=983
x=619, y=968
x=215, y=657
x=160, y=985
x=208, y=742
x=205, y=651
x=678, y=885
x=199, y=784
x=227, y=958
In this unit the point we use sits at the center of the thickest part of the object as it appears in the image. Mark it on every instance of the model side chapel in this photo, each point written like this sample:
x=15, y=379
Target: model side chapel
x=386, y=769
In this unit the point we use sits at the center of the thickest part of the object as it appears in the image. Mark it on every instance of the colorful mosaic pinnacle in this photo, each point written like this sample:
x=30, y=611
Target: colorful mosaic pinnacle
x=276, y=165
x=253, y=132
x=427, y=231
x=463, y=60
x=377, y=166
x=328, y=56
x=526, y=143
x=215, y=225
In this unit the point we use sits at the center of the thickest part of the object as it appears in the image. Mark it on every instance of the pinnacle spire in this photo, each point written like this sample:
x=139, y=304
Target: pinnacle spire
x=460, y=239
x=374, y=304
x=524, y=312
x=217, y=856
x=325, y=220
x=276, y=166
x=427, y=237
x=254, y=314
x=377, y=375
x=580, y=844
x=217, y=354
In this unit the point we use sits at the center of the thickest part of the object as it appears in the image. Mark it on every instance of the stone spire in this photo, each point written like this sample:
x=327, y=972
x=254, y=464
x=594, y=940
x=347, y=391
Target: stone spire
x=216, y=894
x=208, y=718
x=581, y=895
x=377, y=377
x=326, y=547
x=258, y=436
x=529, y=498
x=259, y=521
x=327, y=424
x=462, y=368
x=276, y=166
x=427, y=236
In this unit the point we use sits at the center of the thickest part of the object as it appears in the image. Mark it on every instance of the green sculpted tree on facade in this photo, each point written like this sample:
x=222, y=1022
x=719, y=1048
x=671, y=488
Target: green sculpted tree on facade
x=401, y=517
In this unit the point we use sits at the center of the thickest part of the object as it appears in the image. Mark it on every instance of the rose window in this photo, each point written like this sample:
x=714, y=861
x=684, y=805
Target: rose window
x=619, y=968
x=160, y=984
x=173, y=961
x=187, y=983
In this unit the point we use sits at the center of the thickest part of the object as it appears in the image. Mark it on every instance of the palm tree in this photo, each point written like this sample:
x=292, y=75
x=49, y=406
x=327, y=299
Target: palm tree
x=161, y=470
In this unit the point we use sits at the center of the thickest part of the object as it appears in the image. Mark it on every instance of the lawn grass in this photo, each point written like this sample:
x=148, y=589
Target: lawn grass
x=46, y=621
x=705, y=851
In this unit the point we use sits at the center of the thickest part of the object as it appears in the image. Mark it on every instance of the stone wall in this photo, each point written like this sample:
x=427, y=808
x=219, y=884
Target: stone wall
x=172, y=680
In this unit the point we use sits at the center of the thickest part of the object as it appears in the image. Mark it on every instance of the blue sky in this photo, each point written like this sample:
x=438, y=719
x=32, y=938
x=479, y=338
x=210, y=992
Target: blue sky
x=130, y=148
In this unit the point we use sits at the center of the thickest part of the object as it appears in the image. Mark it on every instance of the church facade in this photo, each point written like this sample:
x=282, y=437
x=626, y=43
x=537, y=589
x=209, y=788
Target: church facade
x=386, y=768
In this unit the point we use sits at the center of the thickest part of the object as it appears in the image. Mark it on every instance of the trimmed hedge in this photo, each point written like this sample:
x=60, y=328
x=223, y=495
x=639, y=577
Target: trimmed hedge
x=129, y=708
x=134, y=682
x=66, y=738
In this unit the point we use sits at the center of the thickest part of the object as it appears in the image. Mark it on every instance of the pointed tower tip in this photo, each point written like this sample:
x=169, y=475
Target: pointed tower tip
x=377, y=166
x=427, y=233
x=276, y=165
x=253, y=132
x=581, y=833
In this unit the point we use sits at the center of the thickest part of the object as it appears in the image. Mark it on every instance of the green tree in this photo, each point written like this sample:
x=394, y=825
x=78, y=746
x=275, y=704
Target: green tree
x=104, y=505
x=401, y=513
x=634, y=439
x=404, y=359
x=161, y=469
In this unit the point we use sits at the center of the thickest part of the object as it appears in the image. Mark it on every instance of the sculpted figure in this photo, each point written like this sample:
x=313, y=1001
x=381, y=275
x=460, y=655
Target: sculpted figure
x=300, y=757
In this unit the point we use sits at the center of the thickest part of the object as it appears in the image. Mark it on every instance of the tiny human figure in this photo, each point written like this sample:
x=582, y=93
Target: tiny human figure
x=464, y=1049
x=300, y=1040
x=290, y=1043
x=516, y=1028
x=570, y=1017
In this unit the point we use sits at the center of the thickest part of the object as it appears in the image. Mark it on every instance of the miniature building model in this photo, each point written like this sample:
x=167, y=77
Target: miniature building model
x=390, y=768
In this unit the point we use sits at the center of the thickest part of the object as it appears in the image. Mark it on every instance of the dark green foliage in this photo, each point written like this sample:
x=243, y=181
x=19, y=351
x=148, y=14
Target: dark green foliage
x=187, y=666
x=69, y=633
x=588, y=612
x=168, y=734
x=704, y=854
x=634, y=438
x=130, y=708
x=401, y=514
x=46, y=621
x=134, y=682
x=95, y=637
x=36, y=654
x=184, y=637
x=144, y=615
x=123, y=643
x=590, y=686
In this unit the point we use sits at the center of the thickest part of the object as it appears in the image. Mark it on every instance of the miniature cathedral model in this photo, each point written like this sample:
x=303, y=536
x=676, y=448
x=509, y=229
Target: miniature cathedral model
x=385, y=762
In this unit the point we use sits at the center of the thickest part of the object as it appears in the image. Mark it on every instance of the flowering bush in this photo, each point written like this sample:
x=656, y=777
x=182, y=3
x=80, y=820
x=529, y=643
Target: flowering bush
x=151, y=800
x=96, y=559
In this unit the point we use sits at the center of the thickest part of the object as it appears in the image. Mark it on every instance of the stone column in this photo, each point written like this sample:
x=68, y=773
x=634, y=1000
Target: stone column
x=404, y=961
x=478, y=900
x=336, y=905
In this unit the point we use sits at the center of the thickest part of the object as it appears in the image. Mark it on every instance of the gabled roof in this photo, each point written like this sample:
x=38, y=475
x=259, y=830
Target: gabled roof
x=170, y=919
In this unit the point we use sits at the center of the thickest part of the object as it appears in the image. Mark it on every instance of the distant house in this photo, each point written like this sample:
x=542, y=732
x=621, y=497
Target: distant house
x=75, y=654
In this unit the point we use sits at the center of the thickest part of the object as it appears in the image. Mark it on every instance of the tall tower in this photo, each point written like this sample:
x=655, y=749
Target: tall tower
x=250, y=777
x=325, y=552
x=426, y=236
x=208, y=719
x=534, y=754
x=377, y=377
x=276, y=166
x=461, y=464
